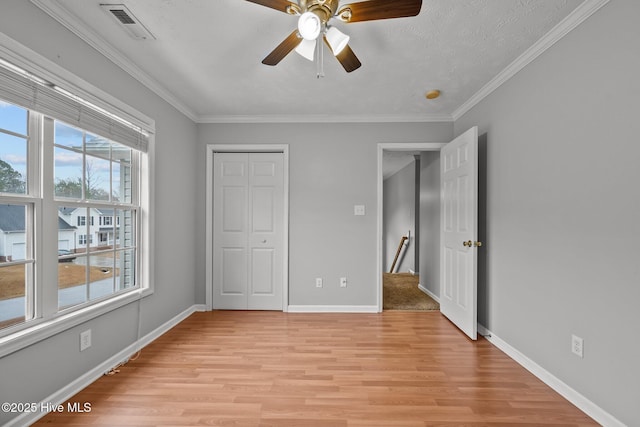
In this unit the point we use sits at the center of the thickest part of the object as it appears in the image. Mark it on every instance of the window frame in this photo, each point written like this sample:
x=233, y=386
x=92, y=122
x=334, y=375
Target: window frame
x=47, y=319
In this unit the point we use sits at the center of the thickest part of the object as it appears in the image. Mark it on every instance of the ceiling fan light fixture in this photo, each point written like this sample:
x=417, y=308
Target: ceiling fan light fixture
x=337, y=40
x=307, y=49
x=314, y=23
x=309, y=26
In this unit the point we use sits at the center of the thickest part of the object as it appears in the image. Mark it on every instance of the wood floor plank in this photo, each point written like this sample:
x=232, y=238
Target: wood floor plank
x=263, y=369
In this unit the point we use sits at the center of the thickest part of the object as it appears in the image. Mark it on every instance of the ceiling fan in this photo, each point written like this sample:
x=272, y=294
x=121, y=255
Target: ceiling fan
x=314, y=20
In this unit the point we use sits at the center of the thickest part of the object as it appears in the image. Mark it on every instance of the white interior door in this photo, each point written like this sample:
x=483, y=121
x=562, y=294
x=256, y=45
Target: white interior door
x=459, y=231
x=248, y=231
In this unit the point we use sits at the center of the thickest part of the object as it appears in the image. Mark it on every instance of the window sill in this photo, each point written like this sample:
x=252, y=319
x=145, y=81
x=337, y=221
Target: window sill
x=45, y=329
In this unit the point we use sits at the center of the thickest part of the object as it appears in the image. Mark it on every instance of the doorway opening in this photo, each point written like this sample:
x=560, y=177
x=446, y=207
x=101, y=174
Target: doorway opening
x=408, y=224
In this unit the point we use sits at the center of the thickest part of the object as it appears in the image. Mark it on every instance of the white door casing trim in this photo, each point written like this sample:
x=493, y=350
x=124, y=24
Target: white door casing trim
x=245, y=148
x=382, y=147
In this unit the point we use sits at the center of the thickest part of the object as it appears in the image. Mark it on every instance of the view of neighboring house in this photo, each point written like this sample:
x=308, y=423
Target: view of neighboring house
x=13, y=242
x=101, y=231
x=72, y=230
x=12, y=235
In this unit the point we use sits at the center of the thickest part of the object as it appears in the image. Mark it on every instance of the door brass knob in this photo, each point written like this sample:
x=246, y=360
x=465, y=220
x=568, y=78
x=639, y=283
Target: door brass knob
x=477, y=244
x=468, y=243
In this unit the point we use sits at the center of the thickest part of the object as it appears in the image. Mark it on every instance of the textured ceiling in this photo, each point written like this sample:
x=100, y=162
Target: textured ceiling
x=206, y=58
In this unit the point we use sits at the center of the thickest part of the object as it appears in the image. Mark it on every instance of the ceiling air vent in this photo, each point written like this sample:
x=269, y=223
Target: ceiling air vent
x=128, y=21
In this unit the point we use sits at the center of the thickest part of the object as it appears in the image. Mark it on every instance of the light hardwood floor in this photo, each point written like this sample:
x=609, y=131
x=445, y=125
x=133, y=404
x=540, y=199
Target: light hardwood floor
x=239, y=368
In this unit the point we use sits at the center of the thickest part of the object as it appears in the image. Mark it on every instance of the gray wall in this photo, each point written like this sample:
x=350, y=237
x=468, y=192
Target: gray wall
x=35, y=372
x=559, y=143
x=562, y=210
x=399, y=215
x=430, y=221
x=332, y=168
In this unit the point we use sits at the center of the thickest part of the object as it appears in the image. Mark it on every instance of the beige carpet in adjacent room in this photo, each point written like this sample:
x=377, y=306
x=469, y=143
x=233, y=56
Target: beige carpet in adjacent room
x=401, y=292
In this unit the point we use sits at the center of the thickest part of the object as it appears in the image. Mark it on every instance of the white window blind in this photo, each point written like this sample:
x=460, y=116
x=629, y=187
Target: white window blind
x=29, y=91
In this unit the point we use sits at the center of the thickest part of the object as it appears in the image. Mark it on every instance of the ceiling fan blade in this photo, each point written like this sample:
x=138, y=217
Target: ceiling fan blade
x=283, y=49
x=379, y=9
x=281, y=5
x=348, y=59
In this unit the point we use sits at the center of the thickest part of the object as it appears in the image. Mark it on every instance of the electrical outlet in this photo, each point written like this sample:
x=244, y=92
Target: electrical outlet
x=343, y=282
x=577, y=346
x=85, y=340
x=318, y=282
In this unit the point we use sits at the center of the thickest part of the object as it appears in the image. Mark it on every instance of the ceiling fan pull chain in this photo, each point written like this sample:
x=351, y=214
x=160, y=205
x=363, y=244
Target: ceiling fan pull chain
x=319, y=57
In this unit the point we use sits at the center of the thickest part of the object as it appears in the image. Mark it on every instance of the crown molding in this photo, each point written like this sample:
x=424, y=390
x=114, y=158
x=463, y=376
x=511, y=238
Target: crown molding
x=575, y=18
x=32, y=62
x=61, y=14
x=89, y=36
x=328, y=118
x=70, y=21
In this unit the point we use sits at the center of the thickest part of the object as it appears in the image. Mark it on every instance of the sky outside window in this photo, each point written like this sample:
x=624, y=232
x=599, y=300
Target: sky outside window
x=68, y=159
x=104, y=158
x=70, y=144
x=13, y=147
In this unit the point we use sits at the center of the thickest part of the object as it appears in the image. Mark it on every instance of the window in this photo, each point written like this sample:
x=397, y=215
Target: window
x=83, y=239
x=96, y=174
x=90, y=174
x=66, y=169
x=13, y=145
x=16, y=218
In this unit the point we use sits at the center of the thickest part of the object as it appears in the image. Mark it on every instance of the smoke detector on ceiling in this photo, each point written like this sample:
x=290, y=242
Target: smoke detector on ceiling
x=128, y=21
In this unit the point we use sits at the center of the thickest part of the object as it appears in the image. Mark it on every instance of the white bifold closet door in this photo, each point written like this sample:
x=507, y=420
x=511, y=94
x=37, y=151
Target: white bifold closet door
x=248, y=231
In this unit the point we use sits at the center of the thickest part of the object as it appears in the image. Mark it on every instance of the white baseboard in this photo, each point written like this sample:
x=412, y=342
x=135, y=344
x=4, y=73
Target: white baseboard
x=59, y=397
x=65, y=393
x=428, y=292
x=333, y=309
x=585, y=405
